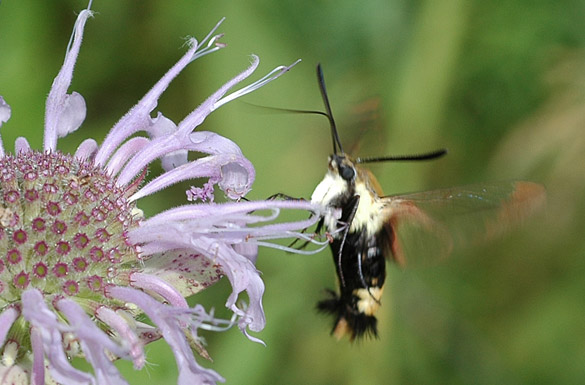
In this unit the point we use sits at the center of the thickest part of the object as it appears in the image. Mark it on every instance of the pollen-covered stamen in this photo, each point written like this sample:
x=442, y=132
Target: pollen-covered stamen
x=212, y=46
x=208, y=321
x=60, y=218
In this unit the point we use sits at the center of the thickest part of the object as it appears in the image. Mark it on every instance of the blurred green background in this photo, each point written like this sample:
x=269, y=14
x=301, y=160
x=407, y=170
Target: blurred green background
x=500, y=84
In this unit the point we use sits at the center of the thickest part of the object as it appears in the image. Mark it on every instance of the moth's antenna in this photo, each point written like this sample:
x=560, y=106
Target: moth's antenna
x=290, y=110
x=334, y=135
x=401, y=158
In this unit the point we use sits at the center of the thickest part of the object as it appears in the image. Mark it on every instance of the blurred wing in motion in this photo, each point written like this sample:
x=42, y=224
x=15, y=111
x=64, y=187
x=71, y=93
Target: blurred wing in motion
x=428, y=226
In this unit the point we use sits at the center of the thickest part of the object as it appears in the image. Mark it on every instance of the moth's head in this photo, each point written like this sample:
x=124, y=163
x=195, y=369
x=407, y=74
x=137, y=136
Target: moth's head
x=340, y=165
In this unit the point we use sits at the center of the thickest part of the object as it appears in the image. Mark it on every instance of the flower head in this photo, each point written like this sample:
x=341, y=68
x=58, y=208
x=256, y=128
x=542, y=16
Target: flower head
x=79, y=261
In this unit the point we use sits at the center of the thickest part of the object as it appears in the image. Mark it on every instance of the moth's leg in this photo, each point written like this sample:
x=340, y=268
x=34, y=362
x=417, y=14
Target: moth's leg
x=353, y=203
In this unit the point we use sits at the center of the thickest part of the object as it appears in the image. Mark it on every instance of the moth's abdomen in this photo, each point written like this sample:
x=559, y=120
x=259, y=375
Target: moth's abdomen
x=361, y=271
x=348, y=319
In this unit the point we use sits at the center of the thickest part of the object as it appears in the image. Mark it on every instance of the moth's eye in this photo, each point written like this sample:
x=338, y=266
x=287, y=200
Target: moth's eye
x=347, y=173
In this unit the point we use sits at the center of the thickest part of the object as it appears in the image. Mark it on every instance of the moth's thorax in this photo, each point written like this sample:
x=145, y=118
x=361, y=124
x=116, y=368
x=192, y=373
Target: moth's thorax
x=369, y=213
x=337, y=192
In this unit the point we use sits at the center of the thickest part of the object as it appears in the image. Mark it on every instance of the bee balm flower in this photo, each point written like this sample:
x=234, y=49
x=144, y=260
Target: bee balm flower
x=79, y=262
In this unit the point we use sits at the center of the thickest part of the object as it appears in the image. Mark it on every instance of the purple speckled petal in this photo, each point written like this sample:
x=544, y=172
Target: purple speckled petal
x=35, y=311
x=94, y=343
x=61, y=108
x=190, y=273
x=170, y=324
x=146, y=333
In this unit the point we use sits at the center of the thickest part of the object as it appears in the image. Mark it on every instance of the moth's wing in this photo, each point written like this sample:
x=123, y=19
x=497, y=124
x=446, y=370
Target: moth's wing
x=426, y=226
x=365, y=125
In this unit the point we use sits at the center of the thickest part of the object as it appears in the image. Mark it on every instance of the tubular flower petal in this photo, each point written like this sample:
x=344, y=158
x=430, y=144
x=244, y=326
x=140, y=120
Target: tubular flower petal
x=4, y=111
x=79, y=262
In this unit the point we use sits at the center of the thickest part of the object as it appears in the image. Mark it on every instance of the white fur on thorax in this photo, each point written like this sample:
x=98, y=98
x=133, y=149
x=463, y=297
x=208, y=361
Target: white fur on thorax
x=368, y=214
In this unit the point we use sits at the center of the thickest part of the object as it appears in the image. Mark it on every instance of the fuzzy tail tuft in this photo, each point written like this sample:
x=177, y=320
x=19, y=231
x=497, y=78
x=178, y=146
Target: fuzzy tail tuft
x=348, y=319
